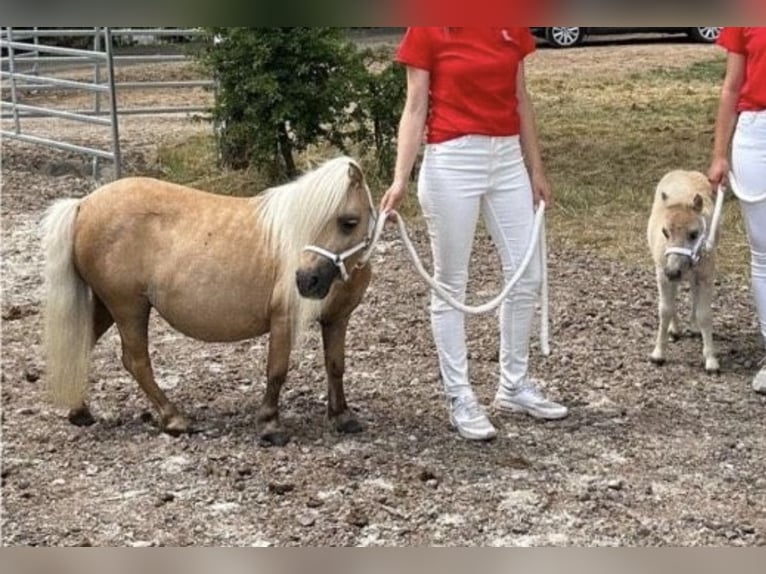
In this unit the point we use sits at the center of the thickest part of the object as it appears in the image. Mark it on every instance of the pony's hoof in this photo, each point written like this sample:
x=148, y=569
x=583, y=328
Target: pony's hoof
x=712, y=367
x=347, y=423
x=674, y=336
x=274, y=438
x=659, y=361
x=81, y=417
x=175, y=425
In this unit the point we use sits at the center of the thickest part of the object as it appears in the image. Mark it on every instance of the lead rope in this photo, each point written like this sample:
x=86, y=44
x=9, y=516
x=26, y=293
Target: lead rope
x=715, y=222
x=537, y=239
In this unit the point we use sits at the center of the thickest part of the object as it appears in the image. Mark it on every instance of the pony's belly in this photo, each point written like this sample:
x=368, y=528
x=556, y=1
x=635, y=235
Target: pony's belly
x=233, y=320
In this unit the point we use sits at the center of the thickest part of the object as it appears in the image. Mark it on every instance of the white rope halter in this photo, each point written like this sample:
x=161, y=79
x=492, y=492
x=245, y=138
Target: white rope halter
x=339, y=259
x=706, y=241
x=695, y=252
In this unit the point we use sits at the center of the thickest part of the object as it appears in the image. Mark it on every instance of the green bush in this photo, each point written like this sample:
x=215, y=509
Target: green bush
x=281, y=90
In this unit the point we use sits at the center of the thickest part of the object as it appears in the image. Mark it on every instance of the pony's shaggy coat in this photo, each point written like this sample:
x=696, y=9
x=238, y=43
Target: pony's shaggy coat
x=682, y=210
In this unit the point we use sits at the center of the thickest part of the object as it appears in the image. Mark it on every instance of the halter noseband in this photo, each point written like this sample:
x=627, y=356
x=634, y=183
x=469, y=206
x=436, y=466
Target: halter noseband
x=694, y=253
x=339, y=259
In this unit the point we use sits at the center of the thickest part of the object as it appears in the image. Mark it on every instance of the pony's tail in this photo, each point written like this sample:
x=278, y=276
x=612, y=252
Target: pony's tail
x=68, y=311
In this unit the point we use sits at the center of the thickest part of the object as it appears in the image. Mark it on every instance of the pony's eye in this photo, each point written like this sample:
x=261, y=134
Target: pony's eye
x=348, y=224
x=693, y=235
x=665, y=233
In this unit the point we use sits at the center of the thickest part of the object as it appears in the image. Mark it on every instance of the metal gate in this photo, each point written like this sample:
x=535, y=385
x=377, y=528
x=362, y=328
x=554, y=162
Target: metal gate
x=27, y=55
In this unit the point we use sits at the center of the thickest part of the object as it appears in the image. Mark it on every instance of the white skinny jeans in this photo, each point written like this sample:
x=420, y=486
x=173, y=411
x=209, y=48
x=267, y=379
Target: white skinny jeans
x=749, y=166
x=458, y=179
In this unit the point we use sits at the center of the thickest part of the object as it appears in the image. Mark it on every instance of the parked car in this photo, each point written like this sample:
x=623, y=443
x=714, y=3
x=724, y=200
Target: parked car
x=566, y=37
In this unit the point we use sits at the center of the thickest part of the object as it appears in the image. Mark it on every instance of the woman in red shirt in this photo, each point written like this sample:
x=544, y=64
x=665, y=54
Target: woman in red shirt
x=466, y=91
x=741, y=123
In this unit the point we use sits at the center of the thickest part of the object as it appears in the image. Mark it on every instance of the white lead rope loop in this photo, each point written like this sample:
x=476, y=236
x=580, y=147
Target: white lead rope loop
x=537, y=239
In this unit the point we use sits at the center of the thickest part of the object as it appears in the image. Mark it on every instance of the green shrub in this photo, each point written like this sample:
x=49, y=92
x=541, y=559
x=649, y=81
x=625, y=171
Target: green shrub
x=281, y=90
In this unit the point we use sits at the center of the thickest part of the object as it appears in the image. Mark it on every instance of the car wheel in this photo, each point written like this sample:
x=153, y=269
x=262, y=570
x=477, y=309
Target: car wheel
x=705, y=34
x=564, y=37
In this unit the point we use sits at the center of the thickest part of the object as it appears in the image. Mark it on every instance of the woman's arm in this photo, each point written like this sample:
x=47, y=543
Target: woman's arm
x=727, y=117
x=530, y=145
x=410, y=136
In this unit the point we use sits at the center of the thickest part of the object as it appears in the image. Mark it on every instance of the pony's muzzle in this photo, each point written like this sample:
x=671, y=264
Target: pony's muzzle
x=315, y=282
x=675, y=266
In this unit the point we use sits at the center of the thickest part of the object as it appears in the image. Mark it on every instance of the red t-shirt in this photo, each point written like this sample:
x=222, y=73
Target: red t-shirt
x=751, y=43
x=472, y=78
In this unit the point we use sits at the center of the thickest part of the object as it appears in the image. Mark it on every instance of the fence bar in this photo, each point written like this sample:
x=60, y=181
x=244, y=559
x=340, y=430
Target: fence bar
x=56, y=144
x=56, y=81
x=54, y=50
x=14, y=98
x=37, y=111
x=112, y=103
x=55, y=32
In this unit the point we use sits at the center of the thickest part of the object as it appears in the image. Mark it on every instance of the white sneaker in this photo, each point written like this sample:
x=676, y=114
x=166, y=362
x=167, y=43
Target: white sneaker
x=759, y=382
x=469, y=418
x=529, y=399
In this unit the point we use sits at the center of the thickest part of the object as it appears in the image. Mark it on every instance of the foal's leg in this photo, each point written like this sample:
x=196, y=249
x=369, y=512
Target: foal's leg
x=133, y=327
x=102, y=320
x=694, y=326
x=271, y=432
x=334, y=342
x=703, y=291
x=667, y=310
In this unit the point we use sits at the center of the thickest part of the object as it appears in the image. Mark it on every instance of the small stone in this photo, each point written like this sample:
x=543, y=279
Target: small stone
x=245, y=471
x=357, y=518
x=432, y=483
x=314, y=502
x=306, y=520
x=26, y=411
x=32, y=374
x=425, y=475
x=23, y=485
x=615, y=484
x=280, y=489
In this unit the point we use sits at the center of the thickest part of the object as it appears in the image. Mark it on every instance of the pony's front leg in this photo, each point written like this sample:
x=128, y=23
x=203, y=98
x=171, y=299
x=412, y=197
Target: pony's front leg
x=334, y=342
x=271, y=431
x=667, y=311
x=703, y=294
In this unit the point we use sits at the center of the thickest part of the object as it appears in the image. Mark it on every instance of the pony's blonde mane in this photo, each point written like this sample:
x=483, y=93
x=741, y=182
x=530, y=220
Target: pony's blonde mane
x=293, y=215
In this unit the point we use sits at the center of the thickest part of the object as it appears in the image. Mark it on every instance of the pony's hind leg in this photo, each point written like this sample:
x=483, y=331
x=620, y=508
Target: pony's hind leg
x=703, y=296
x=102, y=320
x=334, y=342
x=271, y=431
x=133, y=325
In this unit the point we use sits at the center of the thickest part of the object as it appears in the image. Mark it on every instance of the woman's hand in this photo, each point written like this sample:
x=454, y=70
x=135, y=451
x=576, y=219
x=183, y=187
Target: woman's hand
x=541, y=189
x=393, y=197
x=718, y=171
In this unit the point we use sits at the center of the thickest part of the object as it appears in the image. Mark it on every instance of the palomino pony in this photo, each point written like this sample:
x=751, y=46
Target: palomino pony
x=678, y=228
x=216, y=268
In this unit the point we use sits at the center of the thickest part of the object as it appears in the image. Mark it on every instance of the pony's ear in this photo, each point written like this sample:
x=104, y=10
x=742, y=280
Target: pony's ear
x=355, y=174
x=664, y=196
x=697, y=203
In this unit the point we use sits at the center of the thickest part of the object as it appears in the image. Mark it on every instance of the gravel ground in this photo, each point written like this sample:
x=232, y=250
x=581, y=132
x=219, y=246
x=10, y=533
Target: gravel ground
x=648, y=456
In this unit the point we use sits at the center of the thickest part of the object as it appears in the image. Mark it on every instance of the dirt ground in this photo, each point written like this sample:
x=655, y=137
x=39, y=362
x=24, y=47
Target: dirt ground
x=648, y=455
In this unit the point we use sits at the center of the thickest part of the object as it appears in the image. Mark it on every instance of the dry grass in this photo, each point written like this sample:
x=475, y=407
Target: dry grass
x=612, y=121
